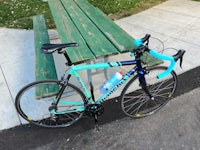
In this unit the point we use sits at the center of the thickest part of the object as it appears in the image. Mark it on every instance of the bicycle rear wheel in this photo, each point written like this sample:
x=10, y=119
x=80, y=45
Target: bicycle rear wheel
x=136, y=103
x=34, y=103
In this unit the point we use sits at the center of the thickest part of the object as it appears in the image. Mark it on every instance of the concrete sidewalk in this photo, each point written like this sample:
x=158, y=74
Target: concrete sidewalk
x=175, y=22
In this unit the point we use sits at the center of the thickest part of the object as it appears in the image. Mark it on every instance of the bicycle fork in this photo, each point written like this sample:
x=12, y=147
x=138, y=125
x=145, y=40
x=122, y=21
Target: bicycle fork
x=143, y=83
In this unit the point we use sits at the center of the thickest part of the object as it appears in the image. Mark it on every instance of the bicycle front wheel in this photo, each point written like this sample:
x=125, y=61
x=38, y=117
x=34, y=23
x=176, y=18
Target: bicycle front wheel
x=35, y=101
x=136, y=103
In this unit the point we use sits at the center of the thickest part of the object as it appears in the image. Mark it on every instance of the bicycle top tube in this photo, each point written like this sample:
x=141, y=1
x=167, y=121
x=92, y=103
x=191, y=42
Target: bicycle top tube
x=101, y=65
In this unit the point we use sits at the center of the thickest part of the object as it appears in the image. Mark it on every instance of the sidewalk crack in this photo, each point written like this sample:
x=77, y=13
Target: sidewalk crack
x=10, y=93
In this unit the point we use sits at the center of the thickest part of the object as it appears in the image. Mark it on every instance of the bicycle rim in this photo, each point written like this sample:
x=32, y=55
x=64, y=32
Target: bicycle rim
x=34, y=104
x=136, y=103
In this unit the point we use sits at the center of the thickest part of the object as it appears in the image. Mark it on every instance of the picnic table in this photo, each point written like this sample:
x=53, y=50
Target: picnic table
x=79, y=21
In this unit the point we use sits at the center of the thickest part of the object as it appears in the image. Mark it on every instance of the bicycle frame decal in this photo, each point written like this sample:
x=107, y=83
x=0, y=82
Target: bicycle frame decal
x=122, y=81
x=67, y=111
x=74, y=69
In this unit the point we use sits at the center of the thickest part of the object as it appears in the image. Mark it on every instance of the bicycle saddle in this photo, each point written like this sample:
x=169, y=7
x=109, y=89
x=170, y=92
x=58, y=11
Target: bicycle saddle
x=50, y=48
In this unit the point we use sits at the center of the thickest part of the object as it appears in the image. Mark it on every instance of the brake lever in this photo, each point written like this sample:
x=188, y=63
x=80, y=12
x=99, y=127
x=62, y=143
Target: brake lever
x=147, y=43
x=179, y=55
x=181, y=60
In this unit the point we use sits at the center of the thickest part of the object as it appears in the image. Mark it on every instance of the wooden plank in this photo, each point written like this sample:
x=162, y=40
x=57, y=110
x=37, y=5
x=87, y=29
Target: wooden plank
x=45, y=68
x=149, y=60
x=81, y=22
x=98, y=43
x=69, y=33
x=122, y=40
x=46, y=90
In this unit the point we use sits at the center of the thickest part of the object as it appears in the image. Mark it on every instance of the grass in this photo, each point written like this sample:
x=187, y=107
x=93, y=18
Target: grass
x=117, y=9
x=18, y=13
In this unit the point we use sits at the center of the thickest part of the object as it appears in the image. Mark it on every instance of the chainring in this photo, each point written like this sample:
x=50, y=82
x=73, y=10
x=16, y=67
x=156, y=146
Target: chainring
x=94, y=109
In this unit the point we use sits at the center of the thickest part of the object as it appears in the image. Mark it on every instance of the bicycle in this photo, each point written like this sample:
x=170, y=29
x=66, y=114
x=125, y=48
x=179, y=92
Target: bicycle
x=58, y=103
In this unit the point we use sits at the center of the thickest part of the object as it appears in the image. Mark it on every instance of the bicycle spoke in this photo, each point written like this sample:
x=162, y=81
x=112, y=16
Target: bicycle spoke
x=139, y=98
x=134, y=97
x=137, y=102
x=68, y=110
x=137, y=109
x=159, y=85
x=140, y=105
x=162, y=95
x=130, y=97
x=161, y=89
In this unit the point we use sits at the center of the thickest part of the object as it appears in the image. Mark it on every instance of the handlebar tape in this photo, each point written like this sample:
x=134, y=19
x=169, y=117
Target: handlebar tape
x=139, y=42
x=164, y=57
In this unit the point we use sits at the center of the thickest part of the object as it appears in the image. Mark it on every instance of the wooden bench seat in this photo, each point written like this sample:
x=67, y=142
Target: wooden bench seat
x=44, y=63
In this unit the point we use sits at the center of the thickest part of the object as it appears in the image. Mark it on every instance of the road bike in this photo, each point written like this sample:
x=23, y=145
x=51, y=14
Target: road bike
x=59, y=103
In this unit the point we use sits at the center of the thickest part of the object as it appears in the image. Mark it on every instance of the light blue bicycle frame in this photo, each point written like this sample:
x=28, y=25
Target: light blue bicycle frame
x=74, y=72
x=137, y=67
x=74, y=69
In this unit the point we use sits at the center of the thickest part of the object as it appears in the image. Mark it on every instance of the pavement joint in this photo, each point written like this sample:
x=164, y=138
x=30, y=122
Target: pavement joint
x=6, y=83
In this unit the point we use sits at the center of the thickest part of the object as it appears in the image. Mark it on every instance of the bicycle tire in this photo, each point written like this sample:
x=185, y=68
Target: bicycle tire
x=136, y=103
x=35, y=108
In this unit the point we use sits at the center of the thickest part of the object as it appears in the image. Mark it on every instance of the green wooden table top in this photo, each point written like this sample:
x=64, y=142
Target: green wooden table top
x=79, y=21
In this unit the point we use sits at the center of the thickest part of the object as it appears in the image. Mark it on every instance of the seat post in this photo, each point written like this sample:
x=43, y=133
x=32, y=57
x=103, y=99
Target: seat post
x=69, y=63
